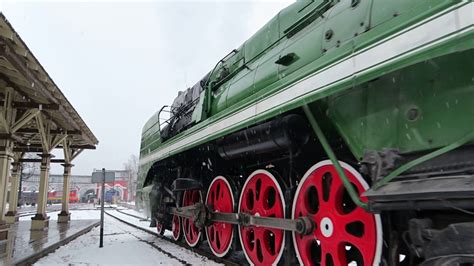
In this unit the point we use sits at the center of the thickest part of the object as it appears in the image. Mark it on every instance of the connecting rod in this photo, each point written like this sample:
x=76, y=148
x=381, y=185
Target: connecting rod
x=202, y=216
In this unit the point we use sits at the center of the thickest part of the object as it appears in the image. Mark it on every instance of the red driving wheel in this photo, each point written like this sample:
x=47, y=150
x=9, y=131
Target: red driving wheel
x=176, y=227
x=220, y=199
x=192, y=234
x=344, y=232
x=262, y=196
x=159, y=228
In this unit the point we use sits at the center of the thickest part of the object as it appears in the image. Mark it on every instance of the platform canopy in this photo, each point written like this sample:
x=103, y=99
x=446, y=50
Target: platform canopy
x=35, y=114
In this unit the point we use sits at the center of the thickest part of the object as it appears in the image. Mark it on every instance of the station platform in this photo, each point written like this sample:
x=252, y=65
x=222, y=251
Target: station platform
x=24, y=246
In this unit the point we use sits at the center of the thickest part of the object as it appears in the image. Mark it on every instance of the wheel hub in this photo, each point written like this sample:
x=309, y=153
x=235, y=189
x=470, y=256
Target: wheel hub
x=327, y=227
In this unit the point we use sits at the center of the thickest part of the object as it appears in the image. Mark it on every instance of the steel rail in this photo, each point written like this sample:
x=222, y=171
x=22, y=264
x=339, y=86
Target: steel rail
x=201, y=252
x=134, y=216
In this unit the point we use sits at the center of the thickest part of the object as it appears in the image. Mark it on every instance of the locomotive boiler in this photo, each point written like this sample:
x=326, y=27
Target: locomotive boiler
x=341, y=132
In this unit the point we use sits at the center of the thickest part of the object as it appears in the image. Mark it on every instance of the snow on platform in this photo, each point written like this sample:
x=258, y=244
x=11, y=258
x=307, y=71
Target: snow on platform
x=24, y=245
x=123, y=245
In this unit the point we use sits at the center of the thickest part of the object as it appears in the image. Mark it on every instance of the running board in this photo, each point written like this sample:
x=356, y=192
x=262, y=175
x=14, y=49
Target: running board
x=428, y=193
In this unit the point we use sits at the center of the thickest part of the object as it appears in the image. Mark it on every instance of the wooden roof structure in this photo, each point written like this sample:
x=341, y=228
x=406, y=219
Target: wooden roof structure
x=33, y=110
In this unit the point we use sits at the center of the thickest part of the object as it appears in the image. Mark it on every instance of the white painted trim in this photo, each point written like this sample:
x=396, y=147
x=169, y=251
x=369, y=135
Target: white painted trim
x=265, y=172
x=422, y=35
x=378, y=221
x=233, y=208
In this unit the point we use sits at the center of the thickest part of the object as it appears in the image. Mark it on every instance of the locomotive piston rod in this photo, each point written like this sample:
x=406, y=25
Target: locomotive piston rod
x=202, y=216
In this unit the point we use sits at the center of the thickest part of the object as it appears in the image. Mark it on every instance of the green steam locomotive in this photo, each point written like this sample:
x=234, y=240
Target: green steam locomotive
x=341, y=132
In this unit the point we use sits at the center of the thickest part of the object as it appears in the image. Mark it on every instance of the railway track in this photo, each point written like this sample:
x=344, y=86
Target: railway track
x=134, y=216
x=234, y=260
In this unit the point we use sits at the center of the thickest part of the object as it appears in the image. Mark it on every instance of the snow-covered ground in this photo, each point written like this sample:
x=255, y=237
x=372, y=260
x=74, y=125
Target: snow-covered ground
x=123, y=245
x=140, y=223
x=28, y=209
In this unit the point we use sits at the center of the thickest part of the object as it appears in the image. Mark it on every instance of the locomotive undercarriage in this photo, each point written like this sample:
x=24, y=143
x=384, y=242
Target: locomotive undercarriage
x=421, y=217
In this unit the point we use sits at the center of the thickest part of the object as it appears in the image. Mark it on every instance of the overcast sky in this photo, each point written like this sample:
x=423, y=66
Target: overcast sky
x=119, y=62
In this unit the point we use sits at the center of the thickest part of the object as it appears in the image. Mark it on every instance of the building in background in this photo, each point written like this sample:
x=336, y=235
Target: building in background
x=80, y=183
x=119, y=190
x=86, y=190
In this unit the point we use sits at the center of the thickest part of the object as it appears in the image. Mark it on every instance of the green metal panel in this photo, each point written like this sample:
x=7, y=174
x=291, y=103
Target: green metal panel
x=237, y=60
x=385, y=10
x=241, y=86
x=242, y=91
x=266, y=72
x=150, y=135
x=219, y=98
x=306, y=45
x=264, y=38
x=297, y=13
x=342, y=28
x=424, y=106
x=141, y=183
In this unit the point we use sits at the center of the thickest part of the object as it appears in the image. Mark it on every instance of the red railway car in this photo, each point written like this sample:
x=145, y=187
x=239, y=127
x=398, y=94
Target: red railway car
x=56, y=196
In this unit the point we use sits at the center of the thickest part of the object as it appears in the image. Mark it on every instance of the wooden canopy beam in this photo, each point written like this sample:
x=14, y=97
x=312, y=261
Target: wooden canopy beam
x=36, y=146
x=53, y=131
x=27, y=117
x=29, y=160
x=33, y=105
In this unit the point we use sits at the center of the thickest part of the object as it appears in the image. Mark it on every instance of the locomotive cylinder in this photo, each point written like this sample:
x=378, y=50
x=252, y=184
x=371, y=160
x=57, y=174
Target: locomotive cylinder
x=285, y=133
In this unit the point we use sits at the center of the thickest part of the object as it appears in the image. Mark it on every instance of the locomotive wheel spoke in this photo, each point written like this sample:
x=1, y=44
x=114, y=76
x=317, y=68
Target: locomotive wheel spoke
x=333, y=254
x=192, y=234
x=344, y=232
x=262, y=196
x=220, y=198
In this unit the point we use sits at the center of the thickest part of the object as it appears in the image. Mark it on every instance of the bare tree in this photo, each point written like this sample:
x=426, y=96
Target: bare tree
x=131, y=167
x=30, y=169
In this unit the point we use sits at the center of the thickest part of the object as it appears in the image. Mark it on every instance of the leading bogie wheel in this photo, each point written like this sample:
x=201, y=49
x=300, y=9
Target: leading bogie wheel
x=192, y=234
x=176, y=227
x=176, y=222
x=220, y=198
x=344, y=232
x=262, y=195
x=160, y=229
